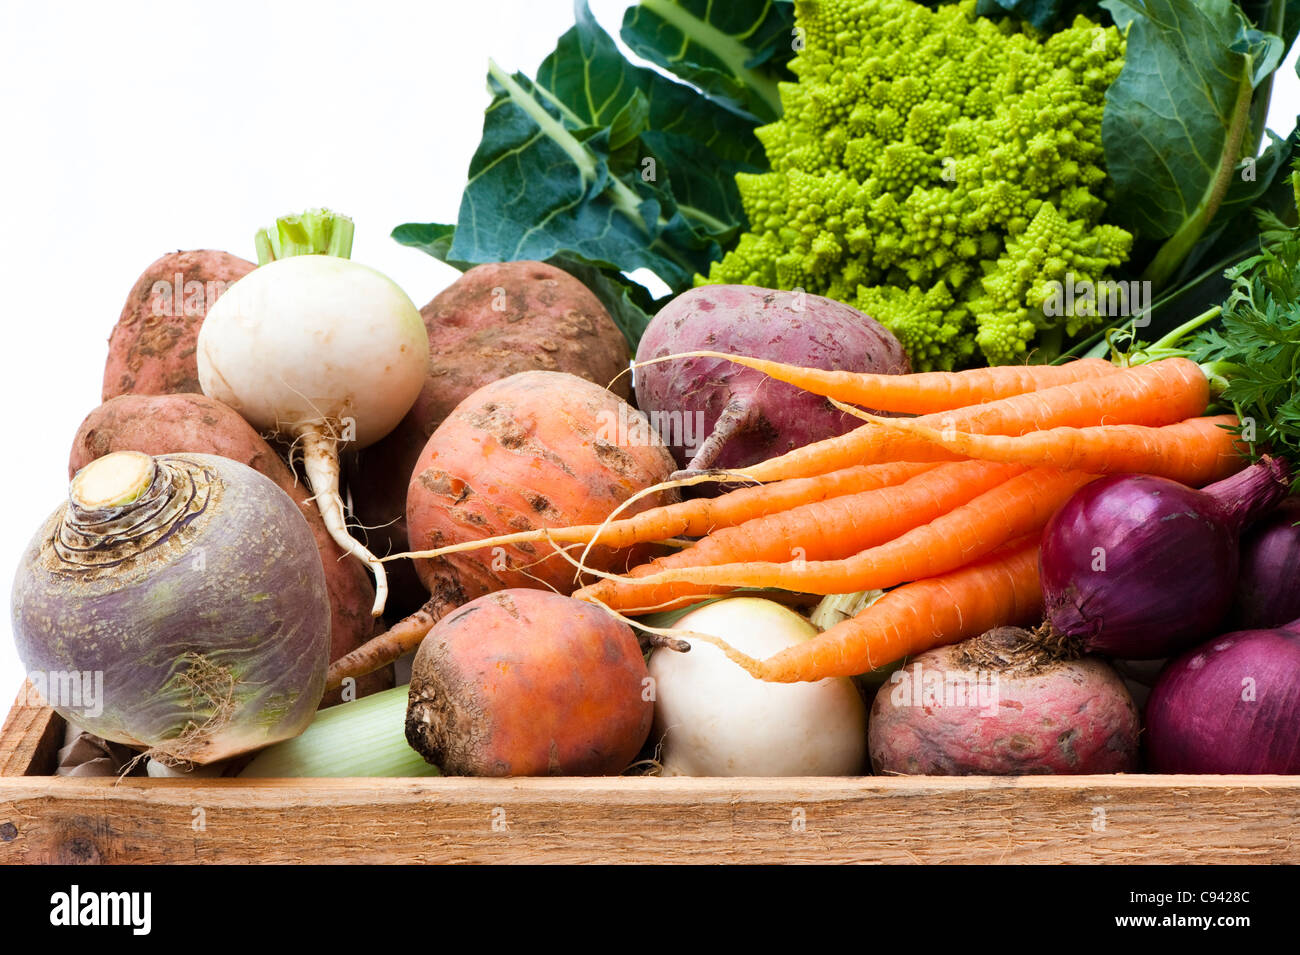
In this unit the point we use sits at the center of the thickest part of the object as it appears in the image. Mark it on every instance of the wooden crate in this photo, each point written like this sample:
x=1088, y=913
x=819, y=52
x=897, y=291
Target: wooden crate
x=1197, y=819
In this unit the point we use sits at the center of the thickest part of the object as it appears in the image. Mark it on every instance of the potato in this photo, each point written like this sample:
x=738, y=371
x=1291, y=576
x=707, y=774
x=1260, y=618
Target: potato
x=152, y=348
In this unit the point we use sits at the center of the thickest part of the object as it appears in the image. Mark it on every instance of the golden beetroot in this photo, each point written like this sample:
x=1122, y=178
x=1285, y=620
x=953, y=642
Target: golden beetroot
x=494, y=321
x=538, y=449
x=529, y=683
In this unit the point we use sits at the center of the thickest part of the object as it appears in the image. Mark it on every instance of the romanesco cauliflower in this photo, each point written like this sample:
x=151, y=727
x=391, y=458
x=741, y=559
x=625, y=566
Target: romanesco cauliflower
x=939, y=171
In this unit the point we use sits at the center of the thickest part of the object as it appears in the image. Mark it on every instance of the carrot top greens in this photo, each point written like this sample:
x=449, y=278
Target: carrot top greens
x=1256, y=344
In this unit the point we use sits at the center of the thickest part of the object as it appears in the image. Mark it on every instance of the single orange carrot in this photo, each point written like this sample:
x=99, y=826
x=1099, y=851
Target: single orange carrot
x=1002, y=589
x=1162, y=392
x=1175, y=451
x=696, y=517
x=1013, y=509
x=923, y=392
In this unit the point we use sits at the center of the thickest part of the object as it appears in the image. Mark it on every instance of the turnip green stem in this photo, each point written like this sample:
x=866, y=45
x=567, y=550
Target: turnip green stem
x=315, y=232
x=1192, y=324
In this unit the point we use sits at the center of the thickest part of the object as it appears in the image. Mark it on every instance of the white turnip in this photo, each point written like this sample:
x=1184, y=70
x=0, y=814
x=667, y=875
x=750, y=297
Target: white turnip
x=318, y=348
x=714, y=719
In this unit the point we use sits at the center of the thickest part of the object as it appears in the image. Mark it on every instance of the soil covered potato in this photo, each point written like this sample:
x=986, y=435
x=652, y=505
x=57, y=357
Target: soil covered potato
x=152, y=348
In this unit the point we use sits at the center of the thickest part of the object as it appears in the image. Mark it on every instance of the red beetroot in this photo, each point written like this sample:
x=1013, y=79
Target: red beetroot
x=1003, y=705
x=746, y=416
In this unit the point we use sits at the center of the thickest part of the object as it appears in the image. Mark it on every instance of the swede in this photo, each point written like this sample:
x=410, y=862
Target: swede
x=318, y=348
x=189, y=590
x=170, y=424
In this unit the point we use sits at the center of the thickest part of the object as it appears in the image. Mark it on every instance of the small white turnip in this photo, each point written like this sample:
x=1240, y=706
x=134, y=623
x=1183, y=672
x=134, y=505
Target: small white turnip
x=713, y=719
x=318, y=348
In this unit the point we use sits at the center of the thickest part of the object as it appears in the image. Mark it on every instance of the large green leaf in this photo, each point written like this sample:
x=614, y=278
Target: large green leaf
x=694, y=142
x=734, y=52
x=602, y=167
x=1177, y=117
x=535, y=190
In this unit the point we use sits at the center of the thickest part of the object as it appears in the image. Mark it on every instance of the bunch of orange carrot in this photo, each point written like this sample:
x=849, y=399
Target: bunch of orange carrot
x=946, y=508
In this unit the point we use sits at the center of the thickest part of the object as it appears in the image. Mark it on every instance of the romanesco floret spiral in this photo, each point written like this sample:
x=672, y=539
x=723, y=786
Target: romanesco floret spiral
x=939, y=171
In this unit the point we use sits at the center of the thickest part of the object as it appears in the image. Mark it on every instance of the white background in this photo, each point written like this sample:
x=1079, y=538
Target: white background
x=130, y=129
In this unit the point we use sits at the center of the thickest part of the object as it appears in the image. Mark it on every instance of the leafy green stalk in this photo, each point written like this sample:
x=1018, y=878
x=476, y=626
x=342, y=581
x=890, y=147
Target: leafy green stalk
x=1178, y=245
x=1258, y=345
x=604, y=168
x=1178, y=116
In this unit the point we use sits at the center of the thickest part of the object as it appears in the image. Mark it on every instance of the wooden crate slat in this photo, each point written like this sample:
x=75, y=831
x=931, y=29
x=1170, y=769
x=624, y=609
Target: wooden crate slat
x=872, y=819
x=30, y=738
x=1139, y=818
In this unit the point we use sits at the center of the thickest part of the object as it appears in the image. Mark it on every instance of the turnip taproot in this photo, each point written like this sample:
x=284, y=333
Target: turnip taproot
x=538, y=449
x=319, y=348
x=714, y=719
x=1003, y=704
x=167, y=424
x=492, y=322
x=736, y=416
x=188, y=590
x=529, y=683
x=152, y=348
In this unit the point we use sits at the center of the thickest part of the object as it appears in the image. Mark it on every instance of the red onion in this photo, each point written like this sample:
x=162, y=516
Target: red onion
x=1229, y=706
x=1141, y=567
x=1268, y=594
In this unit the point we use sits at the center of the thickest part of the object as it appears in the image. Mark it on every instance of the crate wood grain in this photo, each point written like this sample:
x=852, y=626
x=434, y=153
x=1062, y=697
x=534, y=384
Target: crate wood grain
x=1043, y=819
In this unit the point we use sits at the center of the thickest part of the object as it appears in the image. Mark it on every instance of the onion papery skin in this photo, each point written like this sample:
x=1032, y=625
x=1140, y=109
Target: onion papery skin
x=1268, y=581
x=203, y=605
x=1141, y=567
x=1231, y=705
